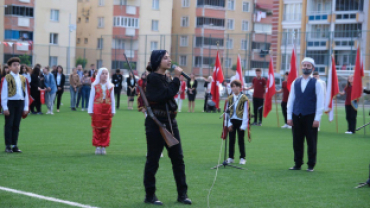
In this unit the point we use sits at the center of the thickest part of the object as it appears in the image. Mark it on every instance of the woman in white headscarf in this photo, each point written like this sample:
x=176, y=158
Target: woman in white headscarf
x=101, y=109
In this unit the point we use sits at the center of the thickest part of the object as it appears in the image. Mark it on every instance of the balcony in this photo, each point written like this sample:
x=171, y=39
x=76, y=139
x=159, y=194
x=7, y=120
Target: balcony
x=210, y=23
x=211, y=4
x=293, y=17
x=319, y=16
x=349, y=17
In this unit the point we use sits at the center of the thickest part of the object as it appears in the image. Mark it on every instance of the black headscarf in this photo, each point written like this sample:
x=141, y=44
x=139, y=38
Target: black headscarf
x=156, y=58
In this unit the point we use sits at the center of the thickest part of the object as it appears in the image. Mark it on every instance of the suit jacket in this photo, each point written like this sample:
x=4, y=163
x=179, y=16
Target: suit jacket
x=129, y=82
x=91, y=73
x=62, y=81
x=195, y=85
x=117, y=80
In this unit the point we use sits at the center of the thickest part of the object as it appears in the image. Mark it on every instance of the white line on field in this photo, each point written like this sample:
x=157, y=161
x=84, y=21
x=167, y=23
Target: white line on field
x=46, y=198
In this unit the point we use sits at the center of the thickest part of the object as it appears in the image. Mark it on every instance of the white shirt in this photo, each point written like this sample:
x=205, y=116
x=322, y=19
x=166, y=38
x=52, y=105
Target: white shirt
x=18, y=95
x=59, y=78
x=323, y=84
x=90, y=108
x=319, y=98
x=245, y=114
x=209, y=86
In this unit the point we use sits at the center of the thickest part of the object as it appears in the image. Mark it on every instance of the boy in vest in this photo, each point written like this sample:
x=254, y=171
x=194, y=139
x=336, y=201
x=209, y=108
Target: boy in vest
x=14, y=100
x=305, y=108
x=238, y=120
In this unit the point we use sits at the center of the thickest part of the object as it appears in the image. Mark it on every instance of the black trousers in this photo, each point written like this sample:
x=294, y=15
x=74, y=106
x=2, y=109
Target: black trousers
x=36, y=102
x=79, y=95
x=59, y=97
x=236, y=128
x=351, y=115
x=206, y=97
x=155, y=145
x=117, y=92
x=284, y=109
x=257, y=109
x=302, y=128
x=13, y=121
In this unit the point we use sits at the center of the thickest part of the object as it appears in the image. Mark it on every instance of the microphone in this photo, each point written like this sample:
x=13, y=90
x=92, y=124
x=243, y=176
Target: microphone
x=182, y=73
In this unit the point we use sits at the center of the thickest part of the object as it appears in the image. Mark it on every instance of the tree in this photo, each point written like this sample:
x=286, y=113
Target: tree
x=233, y=67
x=171, y=69
x=25, y=59
x=132, y=64
x=82, y=61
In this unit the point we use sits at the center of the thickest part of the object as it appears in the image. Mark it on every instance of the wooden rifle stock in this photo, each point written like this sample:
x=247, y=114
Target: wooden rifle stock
x=167, y=136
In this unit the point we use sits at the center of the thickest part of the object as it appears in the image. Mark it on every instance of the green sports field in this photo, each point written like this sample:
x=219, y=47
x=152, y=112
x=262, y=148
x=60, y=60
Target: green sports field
x=58, y=161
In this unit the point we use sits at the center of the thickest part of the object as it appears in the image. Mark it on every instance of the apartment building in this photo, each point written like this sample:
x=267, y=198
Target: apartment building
x=39, y=29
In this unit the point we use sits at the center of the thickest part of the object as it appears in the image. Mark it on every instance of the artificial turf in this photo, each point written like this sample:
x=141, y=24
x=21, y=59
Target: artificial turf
x=58, y=161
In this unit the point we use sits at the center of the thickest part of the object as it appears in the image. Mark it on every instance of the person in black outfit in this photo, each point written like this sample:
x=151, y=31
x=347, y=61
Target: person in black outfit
x=192, y=92
x=60, y=80
x=35, y=93
x=160, y=92
x=131, y=89
x=117, y=81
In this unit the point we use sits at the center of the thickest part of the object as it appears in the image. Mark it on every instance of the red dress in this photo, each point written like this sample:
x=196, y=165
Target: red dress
x=182, y=88
x=140, y=102
x=101, y=120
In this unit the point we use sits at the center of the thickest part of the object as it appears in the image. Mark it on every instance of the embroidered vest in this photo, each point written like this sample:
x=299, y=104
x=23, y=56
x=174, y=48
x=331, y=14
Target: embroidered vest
x=12, y=85
x=239, y=107
x=99, y=95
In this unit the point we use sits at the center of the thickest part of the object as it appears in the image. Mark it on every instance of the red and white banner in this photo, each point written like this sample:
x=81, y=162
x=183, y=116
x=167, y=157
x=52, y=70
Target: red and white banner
x=218, y=78
x=332, y=90
x=293, y=74
x=270, y=89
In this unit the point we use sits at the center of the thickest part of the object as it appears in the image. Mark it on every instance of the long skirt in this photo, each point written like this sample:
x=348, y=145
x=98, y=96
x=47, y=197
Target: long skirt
x=101, y=123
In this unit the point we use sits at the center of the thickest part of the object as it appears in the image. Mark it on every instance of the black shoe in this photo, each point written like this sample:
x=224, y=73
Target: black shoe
x=254, y=124
x=310, y=169
x=368, y=182
x=152, y=200
x=73, y=109
x=39, y=113
x=184, y=199
x=33, y=113
x=8, y=149
x=15, y=149
x=295, y=168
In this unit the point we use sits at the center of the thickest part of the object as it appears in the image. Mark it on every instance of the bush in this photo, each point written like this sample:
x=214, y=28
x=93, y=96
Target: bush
x=82, y=61
x=25, y=59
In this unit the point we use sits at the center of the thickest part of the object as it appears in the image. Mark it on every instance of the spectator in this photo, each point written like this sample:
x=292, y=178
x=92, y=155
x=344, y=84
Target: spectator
x=351, y=113
x=25, y=71
x=80, y=75
x=60, y=79
x=207, y=91
x=92, y=70
x=85, y=90
x=35, y=93
x=51, y=89
x=131, y=85
x=192, y=92
x=117, y=82
x=75, y=83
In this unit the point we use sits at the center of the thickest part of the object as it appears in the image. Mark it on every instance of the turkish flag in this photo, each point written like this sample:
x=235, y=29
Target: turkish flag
x=218, y=78
x=293, y=71
x=239, y=71
x=270, y=90
x=357, y=81
x=332, y=90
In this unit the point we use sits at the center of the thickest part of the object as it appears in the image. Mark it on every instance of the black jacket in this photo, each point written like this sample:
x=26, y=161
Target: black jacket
x=62, y=81
x=195, y=85
x=117, y=80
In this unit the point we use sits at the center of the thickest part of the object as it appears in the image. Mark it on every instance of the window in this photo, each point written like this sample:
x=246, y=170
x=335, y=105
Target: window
x=292, y=12
x=291, y=36
x=228, y=62
x=206, y=41
x=118, y=44
x=229, y=43
x=53, y=38
x=120, y=2
x=79, y=20
x=231, y=4
x=244, y=45
x=183, y=41
x=155, y=4
x=53, y=60
x=347, y=30
x=18, y=35
x=261, y=45
x=204, y=62
x=185, y=3
x=86, y=40
x=184, y=21
x=127, y=22
x=263, y=28
x=245, y=6
x=349, y=5
x=100, y=22
x=244, y=63
x=183, y=60
x=100, y=43
x=153, y=45
x=101, y=2
x=19, y=11
x=212, y=22
x=78, y=40
x=260, y=64
x=230, y=24
x=87, y=20
x=155, y=25
x=54, y=15
x=99, y=63
x=245, y=25
x=213, y=3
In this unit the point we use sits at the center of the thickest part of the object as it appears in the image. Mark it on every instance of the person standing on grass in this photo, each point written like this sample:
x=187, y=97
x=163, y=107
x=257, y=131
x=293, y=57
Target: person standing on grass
x=92, y=70
x=35, y=93
x=86, y=86
x=101, y=109
x=160, y=92
x=51, y=89
x=60, y=79
x=75, y=83
x=259, y=86
x=192, y=92
x=4, y=72
x=285, y=91
x=238, y=121
x=80, y=73
x=131, y=85
x=14, y=101
x=305, y=108
x=207, y=94
x=117, y=79
x=351, y=113
x=180, y=96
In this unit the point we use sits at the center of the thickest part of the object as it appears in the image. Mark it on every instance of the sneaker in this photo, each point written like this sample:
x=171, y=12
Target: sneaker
x=295, y=168
x=51, y=112
x=348, y=132
x=259, y=124
x=285, y=126
x=98, y=151
x=254, y=124
x=58, y=111
x=39, y=113
x=82, y=109
x=230, y=160
x=184, y=199
x=242, y=161
x=162, y=154
x=48, y=112
x=33, y=113
x=289, y=127
x=310, y=169
x=103, y=151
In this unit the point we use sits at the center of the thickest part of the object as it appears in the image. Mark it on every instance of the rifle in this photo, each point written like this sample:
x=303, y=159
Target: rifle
x=167, y=136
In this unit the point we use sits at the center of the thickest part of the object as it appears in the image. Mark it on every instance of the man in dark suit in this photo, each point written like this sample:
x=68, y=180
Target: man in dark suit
x=92, y=70
x=117, y=81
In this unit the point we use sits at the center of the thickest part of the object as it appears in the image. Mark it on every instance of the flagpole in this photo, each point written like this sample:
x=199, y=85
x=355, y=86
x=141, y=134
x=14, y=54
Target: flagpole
x=363, y=112
x=277, y=112
x=336, y=112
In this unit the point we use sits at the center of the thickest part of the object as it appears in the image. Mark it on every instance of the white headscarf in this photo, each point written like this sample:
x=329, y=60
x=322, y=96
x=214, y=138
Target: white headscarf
x=97, y=78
